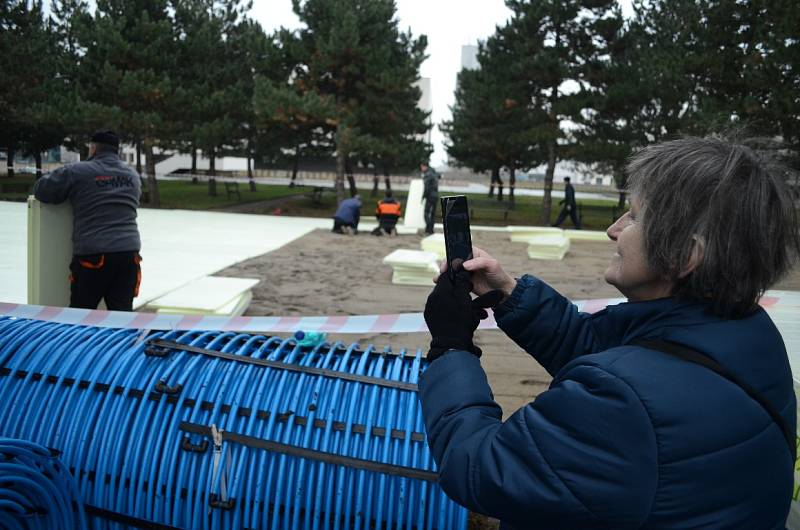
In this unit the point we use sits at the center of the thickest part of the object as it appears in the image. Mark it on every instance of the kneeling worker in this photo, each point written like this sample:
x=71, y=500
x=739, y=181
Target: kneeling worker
x=347, y=216
x=387, y=213
x=104, y=193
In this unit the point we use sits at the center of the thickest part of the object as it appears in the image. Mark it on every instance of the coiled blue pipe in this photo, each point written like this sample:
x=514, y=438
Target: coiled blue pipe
x=36, y=491
x=135, y=429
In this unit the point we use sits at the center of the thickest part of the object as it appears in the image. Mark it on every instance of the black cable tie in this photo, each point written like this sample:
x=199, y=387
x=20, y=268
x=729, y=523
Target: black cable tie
x=280, y=365
x=162, y=387
x=215, y=502
x=187, y=445
x=152, y=351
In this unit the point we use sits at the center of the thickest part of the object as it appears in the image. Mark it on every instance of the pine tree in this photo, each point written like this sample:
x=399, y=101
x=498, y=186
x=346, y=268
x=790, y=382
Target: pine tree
x=494, y=123
x=126, y=71
x=554, y=39
x=393, y=120
x=212, y=91
x=33, y=91
x=470, y=131
x=609, y=100
x=347, y=51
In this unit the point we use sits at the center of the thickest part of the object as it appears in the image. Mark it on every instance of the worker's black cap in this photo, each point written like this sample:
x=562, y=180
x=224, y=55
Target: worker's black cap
x=105, y=136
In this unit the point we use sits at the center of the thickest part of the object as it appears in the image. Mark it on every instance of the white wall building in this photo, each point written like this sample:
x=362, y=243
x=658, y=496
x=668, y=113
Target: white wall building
x=469, y=57
x=178, y=161
x=426, y=102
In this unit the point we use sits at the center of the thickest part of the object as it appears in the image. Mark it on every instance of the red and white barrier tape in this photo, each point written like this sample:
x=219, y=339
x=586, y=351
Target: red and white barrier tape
x=363, y=324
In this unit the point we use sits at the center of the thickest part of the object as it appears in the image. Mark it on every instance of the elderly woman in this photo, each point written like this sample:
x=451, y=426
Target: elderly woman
x=673, y=410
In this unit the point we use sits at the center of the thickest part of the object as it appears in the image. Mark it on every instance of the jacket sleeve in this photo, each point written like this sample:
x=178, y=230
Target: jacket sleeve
x=54, y=187
x=582, y=455
x=549, y=327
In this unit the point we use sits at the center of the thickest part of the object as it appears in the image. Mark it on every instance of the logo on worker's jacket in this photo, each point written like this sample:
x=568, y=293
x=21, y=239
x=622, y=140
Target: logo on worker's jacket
x=119, y=181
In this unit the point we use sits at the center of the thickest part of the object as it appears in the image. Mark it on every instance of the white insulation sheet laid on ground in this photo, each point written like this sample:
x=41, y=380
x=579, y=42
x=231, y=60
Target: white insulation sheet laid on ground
x=209, y=295
x=177, y=246
x=434, y=243
x=412, y=267
x=586, y=235
x=550, y=246
x=521, y=234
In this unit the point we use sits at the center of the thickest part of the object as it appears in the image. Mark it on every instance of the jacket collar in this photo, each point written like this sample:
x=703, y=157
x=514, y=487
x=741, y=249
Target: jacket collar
x=104, y=156
x=655, y=318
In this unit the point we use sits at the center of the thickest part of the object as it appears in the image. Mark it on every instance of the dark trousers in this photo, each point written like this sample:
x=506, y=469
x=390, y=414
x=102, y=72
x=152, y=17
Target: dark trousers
x=573, y=215
x=386, y=223
x=113, y=276
x=338, y=224
x=430, y=213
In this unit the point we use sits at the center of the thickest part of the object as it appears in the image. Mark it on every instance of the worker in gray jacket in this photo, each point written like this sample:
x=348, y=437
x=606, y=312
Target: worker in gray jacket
x=104, y=193
x=430, y=194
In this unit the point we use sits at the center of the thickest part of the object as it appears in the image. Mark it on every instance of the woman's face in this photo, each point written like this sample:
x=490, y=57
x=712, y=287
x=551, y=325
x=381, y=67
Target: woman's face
x=628, y=270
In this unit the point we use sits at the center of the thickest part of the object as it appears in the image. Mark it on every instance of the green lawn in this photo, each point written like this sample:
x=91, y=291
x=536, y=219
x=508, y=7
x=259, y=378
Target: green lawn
x=485, y=211
x=179, y=194
x=17, y=188
x=297, y=201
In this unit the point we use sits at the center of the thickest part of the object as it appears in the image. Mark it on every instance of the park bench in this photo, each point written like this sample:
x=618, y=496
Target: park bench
x=483, y=206
x=232, y=188
x=317, y=192
x=611, y=211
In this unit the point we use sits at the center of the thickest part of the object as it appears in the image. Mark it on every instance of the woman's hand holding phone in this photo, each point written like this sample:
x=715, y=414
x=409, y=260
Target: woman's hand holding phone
x=487, y=274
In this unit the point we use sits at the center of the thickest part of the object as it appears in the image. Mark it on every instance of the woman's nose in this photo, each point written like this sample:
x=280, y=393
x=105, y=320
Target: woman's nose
x=614, y=230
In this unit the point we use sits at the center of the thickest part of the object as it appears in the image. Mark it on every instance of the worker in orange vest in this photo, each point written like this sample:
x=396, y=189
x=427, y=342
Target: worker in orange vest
x=387, y=213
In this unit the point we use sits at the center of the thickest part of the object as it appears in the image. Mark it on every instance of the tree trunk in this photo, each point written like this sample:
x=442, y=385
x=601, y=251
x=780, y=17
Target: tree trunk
x=491, y=185
x=375, y=181
x=512, y=182
x=193, y=171
x=351, y=182
x=295, y=167
x=496, y=173
x=621, y=203
x=152, y=183
x=139, y=158
x=387, y=179
x=10, y=161
x=249, y=166
x=38, y=158
x=338, y=179
x=212, y=171
x=547, y=199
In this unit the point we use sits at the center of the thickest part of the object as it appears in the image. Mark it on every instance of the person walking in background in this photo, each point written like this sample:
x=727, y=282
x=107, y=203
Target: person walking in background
x=430, y=194
x=570, y=208
x=347, y=216
x=387, y=213
x=675, y=409
x=104, y=193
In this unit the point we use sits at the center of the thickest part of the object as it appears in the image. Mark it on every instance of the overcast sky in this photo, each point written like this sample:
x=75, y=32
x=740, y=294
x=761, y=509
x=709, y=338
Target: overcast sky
x=448, y=24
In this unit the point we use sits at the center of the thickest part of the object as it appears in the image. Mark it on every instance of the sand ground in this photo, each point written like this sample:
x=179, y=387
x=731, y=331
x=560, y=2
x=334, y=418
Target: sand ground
x=329, y=274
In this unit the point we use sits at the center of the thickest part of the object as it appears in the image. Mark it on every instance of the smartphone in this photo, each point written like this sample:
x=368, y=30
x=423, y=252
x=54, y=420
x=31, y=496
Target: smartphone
x=457, y=237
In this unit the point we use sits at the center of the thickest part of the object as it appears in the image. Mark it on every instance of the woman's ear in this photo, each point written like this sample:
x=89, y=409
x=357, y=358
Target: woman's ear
x=695, y=257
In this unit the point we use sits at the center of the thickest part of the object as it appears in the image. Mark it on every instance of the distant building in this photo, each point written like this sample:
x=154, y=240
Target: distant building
x=170, y=161
x=426, y=103
x=469, y=57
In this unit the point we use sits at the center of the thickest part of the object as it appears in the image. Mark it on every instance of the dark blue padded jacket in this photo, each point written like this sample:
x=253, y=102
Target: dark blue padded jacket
x=625, y=437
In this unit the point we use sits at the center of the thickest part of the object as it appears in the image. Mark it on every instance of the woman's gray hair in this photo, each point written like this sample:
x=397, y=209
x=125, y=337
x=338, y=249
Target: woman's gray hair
x=726, y=197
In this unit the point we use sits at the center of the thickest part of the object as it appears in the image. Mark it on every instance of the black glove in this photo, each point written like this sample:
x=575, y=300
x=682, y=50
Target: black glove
x=453, y=316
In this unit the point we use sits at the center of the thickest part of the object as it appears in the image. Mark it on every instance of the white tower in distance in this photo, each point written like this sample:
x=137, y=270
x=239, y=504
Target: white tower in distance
x=426, y=101
x=469, y=57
